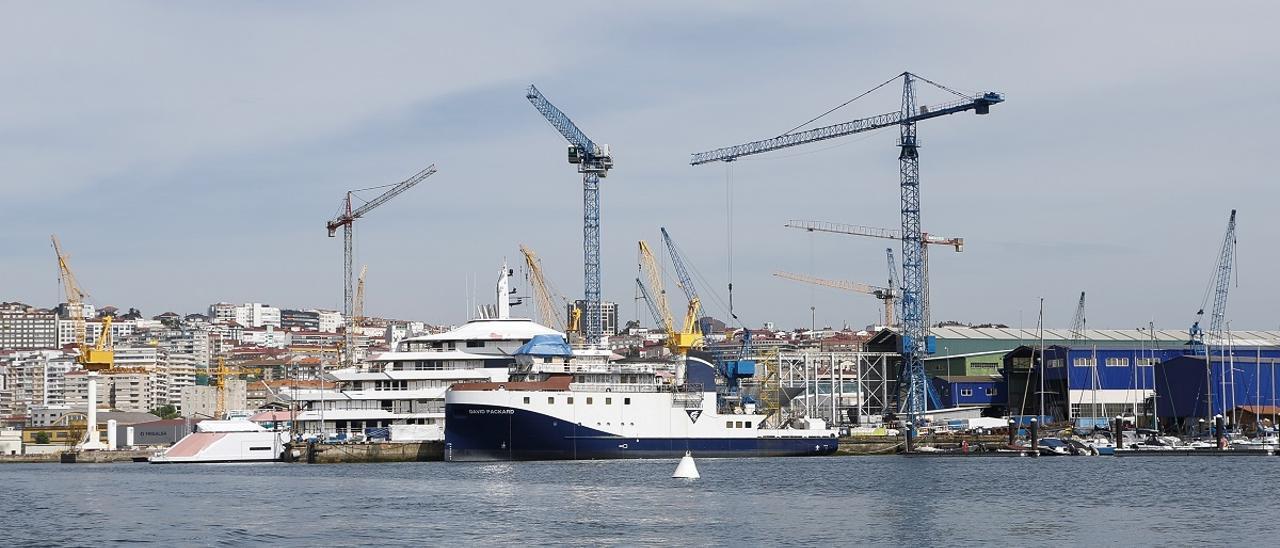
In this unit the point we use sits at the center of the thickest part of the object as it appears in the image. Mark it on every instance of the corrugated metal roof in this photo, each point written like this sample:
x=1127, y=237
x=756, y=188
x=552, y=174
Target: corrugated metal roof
x=1238, y=338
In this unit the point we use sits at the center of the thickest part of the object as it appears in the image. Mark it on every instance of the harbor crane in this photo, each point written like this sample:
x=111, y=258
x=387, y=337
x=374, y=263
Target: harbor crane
x=548, y=311
x=1220, y=287
x=345, y=219
x=658, y=318
x=885, y=294
x=914, y=319
x=926, y=240
x=1078, y=323
x=685, y=281
x=678, y=340
x=94, y=359
x=594, y=162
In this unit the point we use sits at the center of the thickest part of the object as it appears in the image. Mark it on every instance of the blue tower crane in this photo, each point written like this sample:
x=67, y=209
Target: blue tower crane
x=914, y=323
x=594, y=162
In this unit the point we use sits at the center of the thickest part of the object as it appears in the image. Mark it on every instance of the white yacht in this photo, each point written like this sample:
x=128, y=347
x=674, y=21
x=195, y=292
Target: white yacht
x=257, y=438
x=399, y=395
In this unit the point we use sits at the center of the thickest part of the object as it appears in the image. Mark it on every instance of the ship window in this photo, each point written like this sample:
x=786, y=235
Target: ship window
x=991, y=391
x=626, y=401
x=589, y=400
x=526, y=399
x=728, y=424
x=748, y=424
x=570, y=398
x=608, y=401
x=738, y=424
x=475, y=344
x=966, y=391
x=551, y=400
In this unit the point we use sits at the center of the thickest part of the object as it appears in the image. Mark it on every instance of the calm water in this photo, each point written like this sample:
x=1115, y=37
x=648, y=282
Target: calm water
x=803, y=501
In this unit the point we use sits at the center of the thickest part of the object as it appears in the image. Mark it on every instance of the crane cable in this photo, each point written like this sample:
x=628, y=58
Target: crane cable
x=728, y=205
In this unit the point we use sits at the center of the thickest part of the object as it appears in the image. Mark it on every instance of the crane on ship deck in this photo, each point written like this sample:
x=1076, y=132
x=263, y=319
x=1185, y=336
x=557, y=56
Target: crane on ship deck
x=914, y=317
x=346, y=219
x=594, y=162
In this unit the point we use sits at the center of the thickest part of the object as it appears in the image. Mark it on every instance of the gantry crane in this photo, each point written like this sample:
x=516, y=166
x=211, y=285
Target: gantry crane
x=594, y=162
x=1221, y=286
x=358, y=307
x=913, y=277
x=926, y=240
x=346, y=219
x=885, y=294
x=548, y=311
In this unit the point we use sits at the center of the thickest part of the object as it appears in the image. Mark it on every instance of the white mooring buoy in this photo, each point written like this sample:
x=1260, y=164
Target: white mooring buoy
x=687, y=469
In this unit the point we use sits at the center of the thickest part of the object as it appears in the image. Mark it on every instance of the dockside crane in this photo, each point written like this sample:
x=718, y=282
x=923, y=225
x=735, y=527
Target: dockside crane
x=548, y=312
x=594, y=162
x=346, y=219
x=884, y=294
x=649, y=303
x=914, y=320
x=1201, y=340
x=94, y=359
x=678, y=340
x=1078, y=323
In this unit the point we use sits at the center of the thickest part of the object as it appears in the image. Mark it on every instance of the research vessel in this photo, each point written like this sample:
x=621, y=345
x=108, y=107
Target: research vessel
x=564, y=404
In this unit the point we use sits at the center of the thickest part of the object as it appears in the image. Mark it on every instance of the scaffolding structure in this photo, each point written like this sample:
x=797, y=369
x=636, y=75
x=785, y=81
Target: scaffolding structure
x=842, y=388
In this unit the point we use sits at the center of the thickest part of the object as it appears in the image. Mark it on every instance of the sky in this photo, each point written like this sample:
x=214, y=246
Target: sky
x=189, y=153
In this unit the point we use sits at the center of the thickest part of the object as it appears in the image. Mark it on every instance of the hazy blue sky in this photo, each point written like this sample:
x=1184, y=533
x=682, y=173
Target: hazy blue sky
x=189, y=153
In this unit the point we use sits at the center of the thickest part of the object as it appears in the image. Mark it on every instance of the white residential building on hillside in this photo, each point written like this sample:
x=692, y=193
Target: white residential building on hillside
x=330, y=320
x=120, y=329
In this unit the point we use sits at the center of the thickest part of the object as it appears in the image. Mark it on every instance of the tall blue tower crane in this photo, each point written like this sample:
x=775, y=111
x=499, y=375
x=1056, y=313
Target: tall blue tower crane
x=594, y=162
x=913, y=314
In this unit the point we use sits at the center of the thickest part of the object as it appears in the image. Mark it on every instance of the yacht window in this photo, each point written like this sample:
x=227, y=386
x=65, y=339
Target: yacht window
x=626, y=401
x=475, y=344
x=551, y=400
x=526, y=399
x=608, y=401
